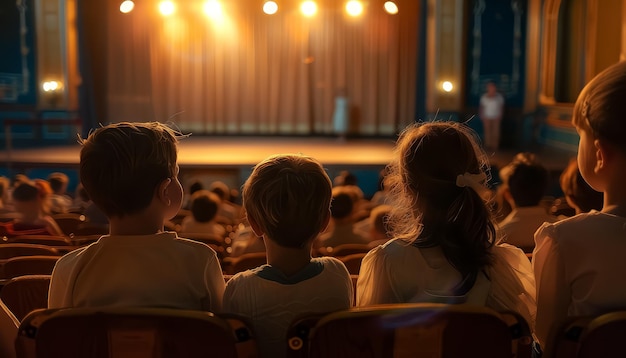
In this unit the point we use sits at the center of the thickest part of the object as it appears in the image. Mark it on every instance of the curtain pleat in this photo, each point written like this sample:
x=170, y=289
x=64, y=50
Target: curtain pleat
x=252, y=73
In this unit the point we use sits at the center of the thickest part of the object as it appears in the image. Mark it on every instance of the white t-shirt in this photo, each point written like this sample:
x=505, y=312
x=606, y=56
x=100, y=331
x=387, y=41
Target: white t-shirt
x=518, y=228
x=579, y=266
x=272, y=301
x=159, y=270
x=492, y=106
x=398, y=272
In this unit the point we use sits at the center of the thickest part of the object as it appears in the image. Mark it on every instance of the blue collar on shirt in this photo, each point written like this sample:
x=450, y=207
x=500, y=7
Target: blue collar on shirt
x=311, y=270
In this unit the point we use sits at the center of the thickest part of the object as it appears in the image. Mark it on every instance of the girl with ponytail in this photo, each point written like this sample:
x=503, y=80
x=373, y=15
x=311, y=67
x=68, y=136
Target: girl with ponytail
x=444, y=248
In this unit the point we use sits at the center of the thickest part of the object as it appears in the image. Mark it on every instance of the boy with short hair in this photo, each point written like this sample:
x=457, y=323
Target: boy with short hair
x=287, y=200
x=129, y=171
x=60, y=202
x=204, y=208
x=343, y=215
x=525, y=181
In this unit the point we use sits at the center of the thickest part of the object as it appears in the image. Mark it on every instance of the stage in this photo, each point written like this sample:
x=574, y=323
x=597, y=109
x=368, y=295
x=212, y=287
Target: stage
x=229, y=152
x=231, y=159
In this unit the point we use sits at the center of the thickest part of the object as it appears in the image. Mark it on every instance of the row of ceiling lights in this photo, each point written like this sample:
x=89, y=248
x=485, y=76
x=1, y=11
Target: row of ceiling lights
x=308, y=7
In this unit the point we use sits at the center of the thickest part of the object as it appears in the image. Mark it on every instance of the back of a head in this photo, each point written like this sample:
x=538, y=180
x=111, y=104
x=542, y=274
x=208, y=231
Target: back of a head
x=576, y=189
x=526, y=179
x=437, y=180
x=379, y=219
x=25, y=192
x=195, y=186
x=19, y=178
x=221, y=189
x=345, y=178
x=288, y=196
x=58, y=182
x=342, y=203
x=601, y=107
x=122, y=164
x=204, y=205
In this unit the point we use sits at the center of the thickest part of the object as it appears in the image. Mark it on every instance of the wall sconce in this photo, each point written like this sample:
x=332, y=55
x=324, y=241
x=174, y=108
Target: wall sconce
x=447, y=86
x=52, y=92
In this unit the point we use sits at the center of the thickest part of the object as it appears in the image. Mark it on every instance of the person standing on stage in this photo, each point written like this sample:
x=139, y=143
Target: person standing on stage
x=490, y=112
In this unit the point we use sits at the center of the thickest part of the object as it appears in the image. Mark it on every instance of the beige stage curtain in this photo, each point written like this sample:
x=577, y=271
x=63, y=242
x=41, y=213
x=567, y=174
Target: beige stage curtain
x=251, y=73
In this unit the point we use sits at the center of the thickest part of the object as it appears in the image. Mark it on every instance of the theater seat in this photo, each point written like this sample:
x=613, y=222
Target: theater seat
x=48, y=240
x=13, y=250
x=353, y=262
x=69, y=222
x=232, y=265
x=25, y=294
x=411, y=330
x=29, y=265
x=132, y=332
x=586, y=337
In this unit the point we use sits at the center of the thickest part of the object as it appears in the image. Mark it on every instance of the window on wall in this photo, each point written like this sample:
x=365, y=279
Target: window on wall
x=570, y=66
x=588, y=40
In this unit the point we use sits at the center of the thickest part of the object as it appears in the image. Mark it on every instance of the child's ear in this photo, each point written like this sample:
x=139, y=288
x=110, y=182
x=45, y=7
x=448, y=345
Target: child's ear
x=163, y=192
x=603, y=155
x=255, y=227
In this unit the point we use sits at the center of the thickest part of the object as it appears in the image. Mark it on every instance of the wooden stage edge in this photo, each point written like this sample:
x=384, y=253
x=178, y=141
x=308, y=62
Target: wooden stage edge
x=216, y=152
x=244, y=152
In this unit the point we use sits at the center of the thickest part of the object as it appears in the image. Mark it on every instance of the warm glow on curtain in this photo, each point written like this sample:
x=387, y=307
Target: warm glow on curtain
x=251, y=73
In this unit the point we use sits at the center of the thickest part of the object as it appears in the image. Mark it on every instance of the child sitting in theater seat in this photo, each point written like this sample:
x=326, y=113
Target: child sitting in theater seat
x=204, y=208
x=525, y=181
x=229, y=213
x=31, y=201
x=60, y=202
x=579, y=262
x=379, y=229
x=443, y=248
x=129, y=171
x=578, y=194
x=287, y=200
x=343, y=221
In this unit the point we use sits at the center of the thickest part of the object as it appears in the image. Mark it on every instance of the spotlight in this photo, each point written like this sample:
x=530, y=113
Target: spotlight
x=354, y=8
x=167, y=8
x=213, y=9
x=127, y=6
x=391, y=7
x=447, y=86
x=308, y=8
x=270, y=7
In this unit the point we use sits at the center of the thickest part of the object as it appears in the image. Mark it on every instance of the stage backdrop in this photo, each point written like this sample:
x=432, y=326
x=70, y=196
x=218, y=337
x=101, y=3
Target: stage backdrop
x=251, y=73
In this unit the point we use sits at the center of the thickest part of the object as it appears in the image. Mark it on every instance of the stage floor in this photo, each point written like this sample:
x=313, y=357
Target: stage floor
x=224, y=152
x=245, y=152
x=230, y=159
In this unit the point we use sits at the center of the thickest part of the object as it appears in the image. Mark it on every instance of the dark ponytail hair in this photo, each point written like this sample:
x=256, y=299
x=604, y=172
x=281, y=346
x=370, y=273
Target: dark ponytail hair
x=431, y=208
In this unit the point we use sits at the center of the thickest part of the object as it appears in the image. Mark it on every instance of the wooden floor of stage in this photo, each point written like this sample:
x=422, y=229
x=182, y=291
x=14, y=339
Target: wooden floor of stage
x=245, y=152
x=224, y=152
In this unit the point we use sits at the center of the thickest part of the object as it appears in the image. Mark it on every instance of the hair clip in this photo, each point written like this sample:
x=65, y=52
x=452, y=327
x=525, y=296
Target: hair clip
x=585, y=110
x=474, y=181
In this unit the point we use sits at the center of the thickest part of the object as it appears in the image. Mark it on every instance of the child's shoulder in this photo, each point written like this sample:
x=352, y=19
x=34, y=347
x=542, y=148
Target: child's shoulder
x=580, y=226
x=329, y=263
x=582, y=220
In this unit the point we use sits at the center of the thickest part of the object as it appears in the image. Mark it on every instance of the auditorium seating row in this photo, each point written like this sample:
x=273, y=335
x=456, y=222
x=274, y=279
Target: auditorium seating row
x=395, y=330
